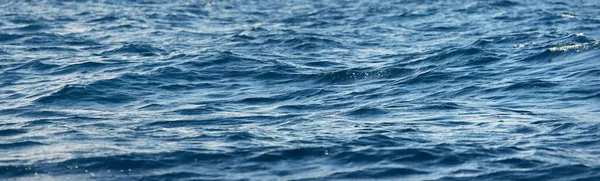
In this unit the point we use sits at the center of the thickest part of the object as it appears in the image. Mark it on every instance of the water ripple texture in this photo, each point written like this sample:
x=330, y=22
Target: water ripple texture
x=299, y=90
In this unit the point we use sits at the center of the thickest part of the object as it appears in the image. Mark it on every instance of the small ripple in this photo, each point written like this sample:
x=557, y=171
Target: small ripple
x=199, y=110
x=19, y=145
x=240, y=136
x=368, y=111
x=82, y=67
x=520, y=163
x=141, y=49
x=530, y=84
x=46, y=39
x=10, y=37
x=505, y=3
x=289, y=154
x=33, y=27
x=380, y=140
x=36, y=65
x=105, y=19
x=183, y=175
x=426, y=77
x=350, y=76
x=226, y=60
x=441, y=106
x=52, y=49
x=378, y=173
x=12, y=132
x=74, y=94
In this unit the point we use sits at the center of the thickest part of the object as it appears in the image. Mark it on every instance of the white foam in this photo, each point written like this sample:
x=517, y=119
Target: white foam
x=576, y=47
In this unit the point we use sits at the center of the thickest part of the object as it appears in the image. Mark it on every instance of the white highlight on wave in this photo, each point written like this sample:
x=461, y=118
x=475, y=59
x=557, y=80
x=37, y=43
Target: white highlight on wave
x=577, y=47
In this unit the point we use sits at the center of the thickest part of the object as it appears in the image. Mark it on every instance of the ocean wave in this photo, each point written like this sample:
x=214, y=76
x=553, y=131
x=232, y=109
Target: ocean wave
x=319, y=90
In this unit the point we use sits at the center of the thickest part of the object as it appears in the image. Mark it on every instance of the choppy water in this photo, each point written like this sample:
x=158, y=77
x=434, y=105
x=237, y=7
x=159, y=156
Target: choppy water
x=299, y=90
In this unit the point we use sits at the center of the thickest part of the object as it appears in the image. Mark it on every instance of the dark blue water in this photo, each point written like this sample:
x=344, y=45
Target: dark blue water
x=299, y=90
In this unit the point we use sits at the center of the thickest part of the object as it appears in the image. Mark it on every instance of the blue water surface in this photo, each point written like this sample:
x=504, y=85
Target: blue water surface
x=299, y=90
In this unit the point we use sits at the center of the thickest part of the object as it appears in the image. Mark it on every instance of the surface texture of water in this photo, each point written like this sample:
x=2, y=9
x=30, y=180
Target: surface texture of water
x=299, y=90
